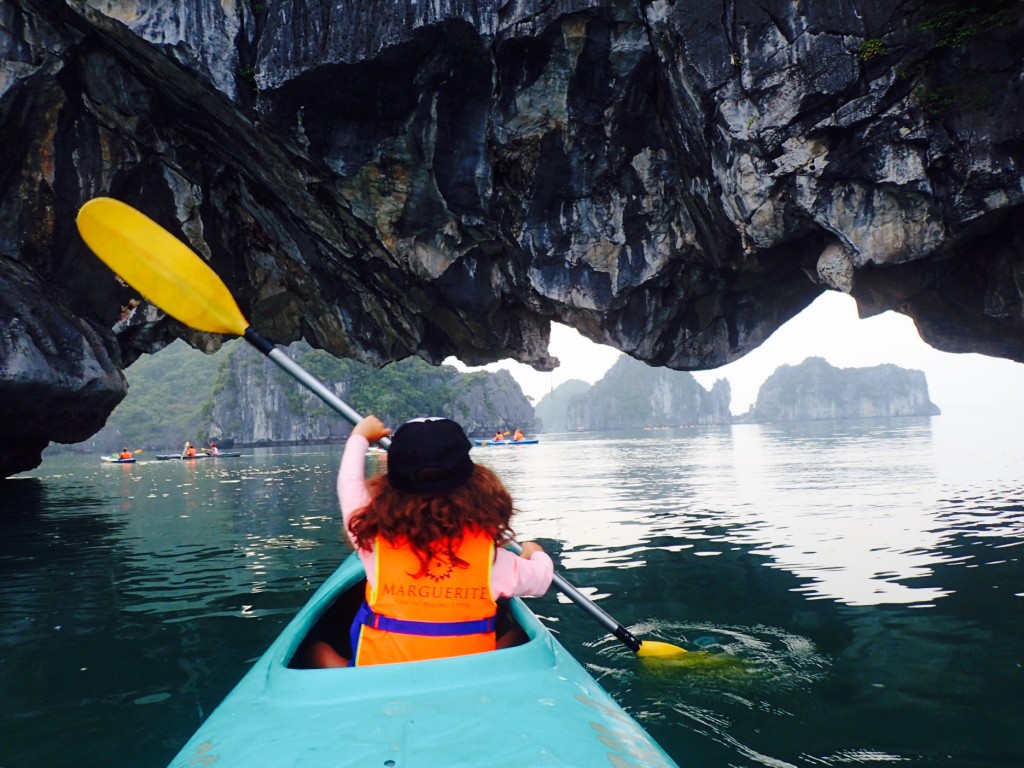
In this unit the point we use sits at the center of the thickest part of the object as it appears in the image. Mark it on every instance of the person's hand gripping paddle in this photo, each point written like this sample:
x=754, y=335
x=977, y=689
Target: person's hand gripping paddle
x=173, y=277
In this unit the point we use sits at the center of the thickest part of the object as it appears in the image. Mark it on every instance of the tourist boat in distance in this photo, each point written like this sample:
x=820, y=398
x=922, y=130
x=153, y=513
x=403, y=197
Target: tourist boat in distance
x=508, y=441
x=199, y=455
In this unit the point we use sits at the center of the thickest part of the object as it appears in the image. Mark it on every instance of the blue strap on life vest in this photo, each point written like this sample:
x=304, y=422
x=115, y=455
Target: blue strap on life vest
x=367, y=617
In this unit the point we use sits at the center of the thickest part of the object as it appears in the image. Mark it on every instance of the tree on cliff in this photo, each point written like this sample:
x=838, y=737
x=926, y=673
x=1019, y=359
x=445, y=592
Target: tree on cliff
x=181, y=393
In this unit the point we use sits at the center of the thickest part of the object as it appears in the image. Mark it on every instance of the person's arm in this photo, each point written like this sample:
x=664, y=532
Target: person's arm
x=352, y=492
x=521, y=575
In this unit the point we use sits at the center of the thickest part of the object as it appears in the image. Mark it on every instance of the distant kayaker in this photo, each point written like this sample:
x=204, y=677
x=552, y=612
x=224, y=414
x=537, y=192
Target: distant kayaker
x=189, y=452
x=213, y=450
x=518, y=435
x=499, y=436
x=429, y=532
x=125, y=454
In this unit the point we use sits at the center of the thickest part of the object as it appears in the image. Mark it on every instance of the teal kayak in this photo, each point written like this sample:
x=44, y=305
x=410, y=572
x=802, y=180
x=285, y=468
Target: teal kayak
x=199, y=455
x=529, y=705
x=485, y=443
x=116, y=460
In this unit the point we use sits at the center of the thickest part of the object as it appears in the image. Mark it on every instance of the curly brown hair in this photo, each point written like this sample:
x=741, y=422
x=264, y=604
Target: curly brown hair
x=433, y=523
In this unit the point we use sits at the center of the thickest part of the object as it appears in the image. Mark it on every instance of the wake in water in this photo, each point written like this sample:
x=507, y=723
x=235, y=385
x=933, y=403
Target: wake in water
x=727, y=671
x=728, y=656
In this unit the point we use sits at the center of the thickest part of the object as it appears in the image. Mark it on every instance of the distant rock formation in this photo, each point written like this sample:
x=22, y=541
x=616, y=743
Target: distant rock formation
x=240, y=395
x=259, y=405
x=817, y=390
x=634, y=394
x=485, y=402
x=551, y=411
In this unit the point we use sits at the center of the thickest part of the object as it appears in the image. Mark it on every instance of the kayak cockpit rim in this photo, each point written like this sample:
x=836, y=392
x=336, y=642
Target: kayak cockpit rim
x=334, y=605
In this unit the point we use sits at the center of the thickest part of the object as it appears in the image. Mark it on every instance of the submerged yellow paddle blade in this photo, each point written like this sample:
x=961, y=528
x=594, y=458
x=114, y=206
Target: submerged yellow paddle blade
x=721, y=665
x=159, y=266
x=658, y=649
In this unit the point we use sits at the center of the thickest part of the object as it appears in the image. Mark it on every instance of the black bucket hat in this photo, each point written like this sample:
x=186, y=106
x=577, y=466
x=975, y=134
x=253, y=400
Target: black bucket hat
x=429, y=455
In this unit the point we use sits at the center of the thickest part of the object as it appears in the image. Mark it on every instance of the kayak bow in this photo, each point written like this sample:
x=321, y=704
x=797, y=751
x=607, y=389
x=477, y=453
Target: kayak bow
x=528, y=705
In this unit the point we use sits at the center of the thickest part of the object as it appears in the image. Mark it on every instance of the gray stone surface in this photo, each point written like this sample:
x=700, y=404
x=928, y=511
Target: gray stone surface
x=386, y=179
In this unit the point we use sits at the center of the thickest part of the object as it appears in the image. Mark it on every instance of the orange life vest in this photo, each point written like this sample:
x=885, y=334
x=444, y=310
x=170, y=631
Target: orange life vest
x=449, y=611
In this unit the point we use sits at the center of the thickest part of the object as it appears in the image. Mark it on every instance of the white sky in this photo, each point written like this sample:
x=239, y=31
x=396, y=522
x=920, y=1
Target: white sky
x=829, y=328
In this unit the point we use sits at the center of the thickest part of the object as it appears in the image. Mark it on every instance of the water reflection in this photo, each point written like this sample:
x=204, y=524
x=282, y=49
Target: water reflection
x=867, y=576
x=135, y=596
x=852, y=508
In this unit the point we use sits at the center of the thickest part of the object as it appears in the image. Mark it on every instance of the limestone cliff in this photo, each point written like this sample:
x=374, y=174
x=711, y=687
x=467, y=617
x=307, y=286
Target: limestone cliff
x=257, y=404
x=239, y=395
x=633, y=394
x=552, y=410
x=817, y=390
x=386, y=179
x=486, y=402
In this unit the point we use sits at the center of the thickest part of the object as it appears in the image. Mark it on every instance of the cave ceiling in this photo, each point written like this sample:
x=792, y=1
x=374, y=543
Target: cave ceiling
x=675, y=180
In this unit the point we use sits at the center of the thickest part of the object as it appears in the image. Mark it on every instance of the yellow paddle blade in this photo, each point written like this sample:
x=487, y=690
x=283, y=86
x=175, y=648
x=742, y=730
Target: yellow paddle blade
x=159, y=266
x=658, y=649
x=721, y=665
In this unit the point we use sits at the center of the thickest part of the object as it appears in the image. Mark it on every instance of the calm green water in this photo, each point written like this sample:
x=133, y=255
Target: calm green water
x=862, y=581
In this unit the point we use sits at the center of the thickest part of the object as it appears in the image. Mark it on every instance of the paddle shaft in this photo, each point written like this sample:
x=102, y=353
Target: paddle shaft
x=173, y=277
x=596, y=612
x=315, y=386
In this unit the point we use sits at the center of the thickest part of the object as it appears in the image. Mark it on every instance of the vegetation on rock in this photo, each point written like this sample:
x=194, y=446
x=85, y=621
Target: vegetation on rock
x=238, y=394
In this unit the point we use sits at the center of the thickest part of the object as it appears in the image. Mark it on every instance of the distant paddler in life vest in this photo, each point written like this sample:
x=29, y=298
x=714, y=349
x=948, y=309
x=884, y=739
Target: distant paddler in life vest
x=189, y=451
x=518, y=435
x=124, y=454
x=429, y=532
x=499, y=436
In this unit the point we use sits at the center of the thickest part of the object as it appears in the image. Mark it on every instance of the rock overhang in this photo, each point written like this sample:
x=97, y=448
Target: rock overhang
x=675, y=180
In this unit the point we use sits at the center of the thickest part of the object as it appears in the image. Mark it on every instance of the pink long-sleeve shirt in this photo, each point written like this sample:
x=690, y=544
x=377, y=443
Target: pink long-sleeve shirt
x=511, y=575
